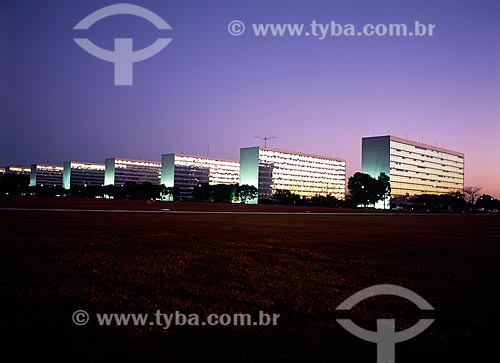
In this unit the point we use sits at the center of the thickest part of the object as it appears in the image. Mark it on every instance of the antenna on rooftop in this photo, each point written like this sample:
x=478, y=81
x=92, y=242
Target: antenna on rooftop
x=265, y=138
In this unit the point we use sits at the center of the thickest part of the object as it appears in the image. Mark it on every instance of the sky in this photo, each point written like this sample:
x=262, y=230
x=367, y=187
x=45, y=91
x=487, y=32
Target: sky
x=211, y=92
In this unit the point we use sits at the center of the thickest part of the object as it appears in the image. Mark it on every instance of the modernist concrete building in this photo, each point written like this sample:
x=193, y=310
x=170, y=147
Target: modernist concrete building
x=24, y=170
x=303, y=174
x=77, y=174
x=119, y=171
x=413, y=168
x=21, y=170
x=46, y=175
x=187, y=171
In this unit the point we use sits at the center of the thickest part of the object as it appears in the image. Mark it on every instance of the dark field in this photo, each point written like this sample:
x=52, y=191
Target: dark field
x=299, y=266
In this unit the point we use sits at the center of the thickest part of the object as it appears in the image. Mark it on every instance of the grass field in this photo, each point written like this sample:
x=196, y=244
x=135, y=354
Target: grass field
x=299, y=266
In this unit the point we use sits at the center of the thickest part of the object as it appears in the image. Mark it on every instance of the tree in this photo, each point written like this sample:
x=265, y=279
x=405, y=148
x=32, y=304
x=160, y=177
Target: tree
x=246, y=192
x=16, y=184
x=383, y=187
x=324, y=201
x=487, y=202
x=168, y=193
x=471, y=194
x=201, y=192
x=286, y=197
x=359, y=186
x=223, y=193
x=366, y=190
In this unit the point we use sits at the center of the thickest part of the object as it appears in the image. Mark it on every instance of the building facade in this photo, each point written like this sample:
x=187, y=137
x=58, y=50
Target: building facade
x=23, y=170
x=46, y=175
x=188, y=171
x=303, y=174
x=119, y=171
x=77, y=174
x=413, y=168
x=19, y=170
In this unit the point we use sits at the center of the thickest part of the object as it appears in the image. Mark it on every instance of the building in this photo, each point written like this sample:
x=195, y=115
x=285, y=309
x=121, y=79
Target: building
x=77, y=174
x=413, y=168
x=19, y=170
x=119, y=171
x=188, y=171
x=46, y=175
x=23, y=170
x=303, y=174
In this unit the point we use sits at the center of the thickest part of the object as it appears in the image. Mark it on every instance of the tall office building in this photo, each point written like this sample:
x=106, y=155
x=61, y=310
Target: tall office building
x=46, y=175
x=11, y=169
x=19, y=170
x=24, y=170
x=413, y=167
x=119, y=171
x=303, y=174
x=187, y=171
x=76, y=174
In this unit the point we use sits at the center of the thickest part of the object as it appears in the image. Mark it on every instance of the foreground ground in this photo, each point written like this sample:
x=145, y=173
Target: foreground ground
x=299, y=266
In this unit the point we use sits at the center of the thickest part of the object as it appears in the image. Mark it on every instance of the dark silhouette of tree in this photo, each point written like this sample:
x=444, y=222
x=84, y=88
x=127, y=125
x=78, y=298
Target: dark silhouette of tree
x=450, y=202
x=169, y=193
x=328, y=201
x=201, y=192
x=223, y=193
x=14, y=184
x=362, y=188
x=383, y=188
x=487, y=203
x=286, y=197
x=471, y=193
x=366, y=190
x=246, y=192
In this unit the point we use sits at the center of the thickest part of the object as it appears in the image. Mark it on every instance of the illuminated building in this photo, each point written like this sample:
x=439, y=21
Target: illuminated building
x=188, y=171
x=303, y=174
x=77, y=174
x=413, y=168
x=46, y=175
x=24, y=170
x=119, y=171
x=20, y=170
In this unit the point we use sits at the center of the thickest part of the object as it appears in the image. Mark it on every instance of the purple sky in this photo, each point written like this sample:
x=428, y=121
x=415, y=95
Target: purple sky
x=58, y=103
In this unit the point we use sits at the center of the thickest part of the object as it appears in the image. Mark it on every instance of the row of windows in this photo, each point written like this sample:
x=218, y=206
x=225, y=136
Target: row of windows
x=406, y=172
x=438, y=164
x=409, y=166
x=424, y=151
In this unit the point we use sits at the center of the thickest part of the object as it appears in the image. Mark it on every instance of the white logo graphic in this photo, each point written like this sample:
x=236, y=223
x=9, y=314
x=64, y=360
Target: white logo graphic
x=386, y=335
x=123, y=56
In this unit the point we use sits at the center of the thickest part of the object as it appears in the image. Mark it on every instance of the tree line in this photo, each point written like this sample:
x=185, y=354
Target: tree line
x=364, y=191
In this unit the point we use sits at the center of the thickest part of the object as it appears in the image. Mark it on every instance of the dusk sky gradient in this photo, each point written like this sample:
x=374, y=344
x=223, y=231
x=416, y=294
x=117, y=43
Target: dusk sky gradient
x=58, y=103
